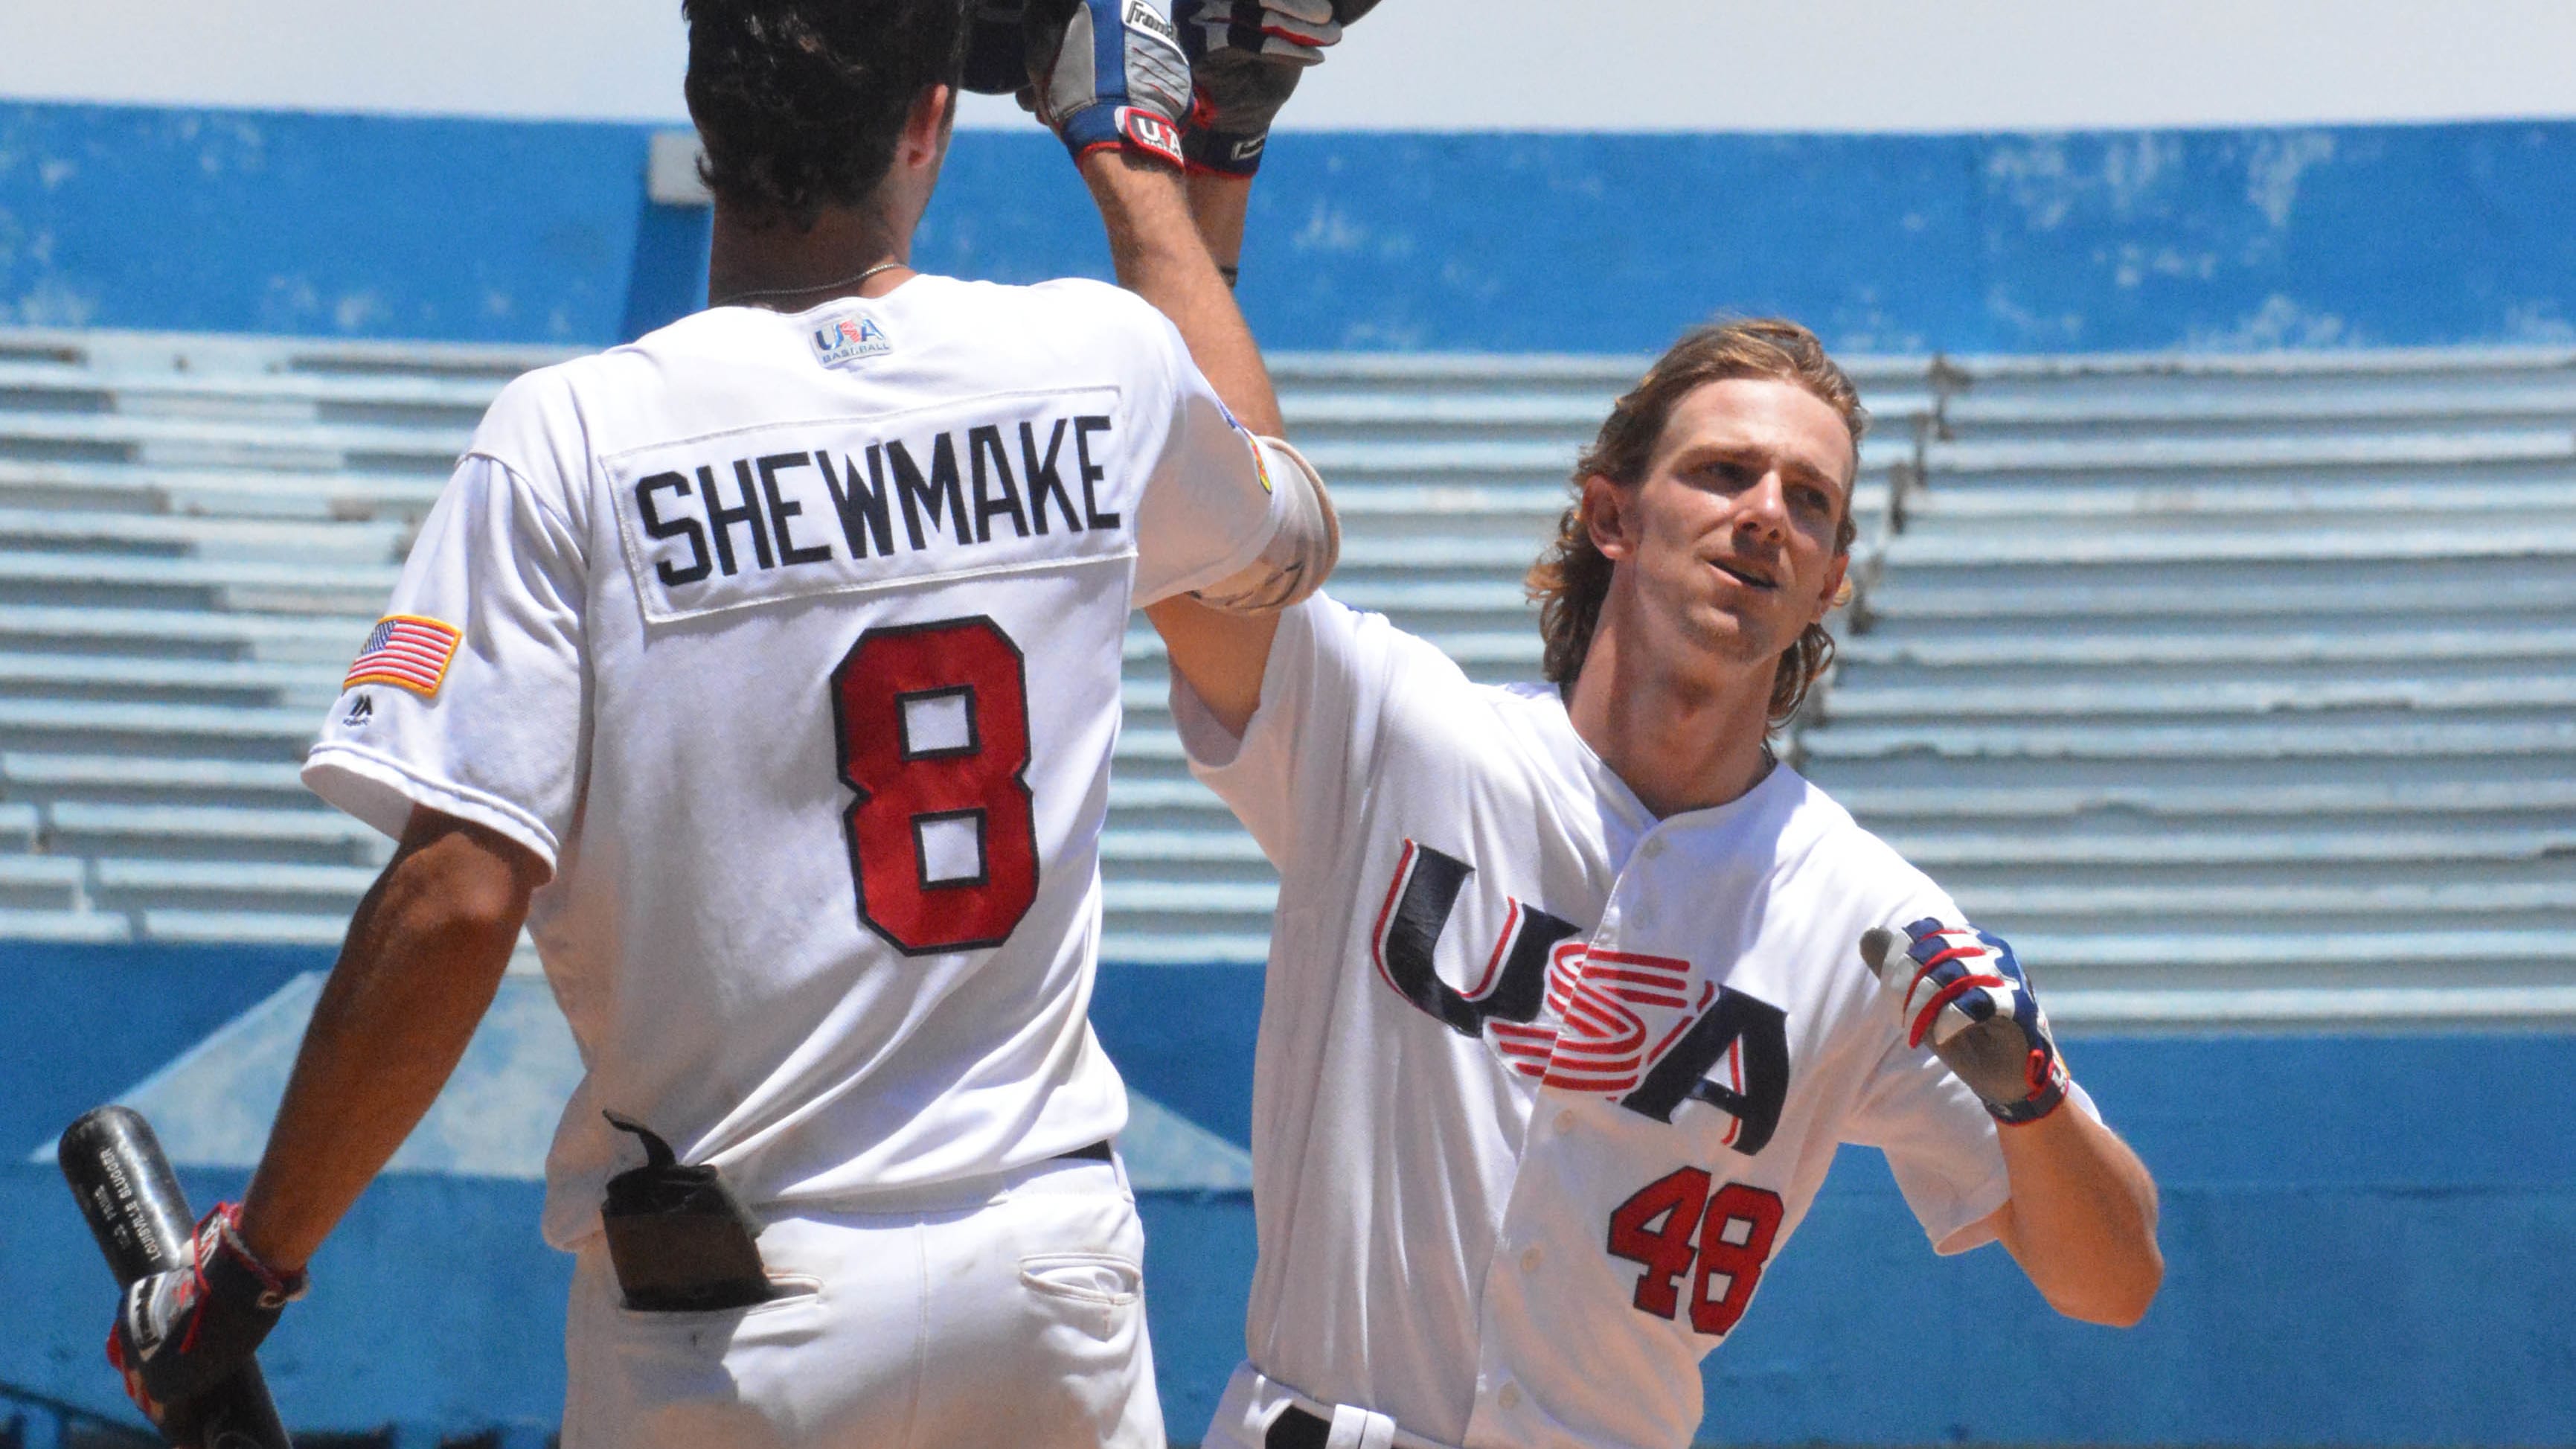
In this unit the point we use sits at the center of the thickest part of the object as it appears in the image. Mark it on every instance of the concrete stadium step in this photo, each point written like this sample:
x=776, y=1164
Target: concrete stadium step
x=2278, y=740
x=2351, y=903
x=42, y=882
x=2200, y=649
x=152, y=779
x=220, y=443
x=286, y=928
x=92, y=927
x=323, y=640
x=317, y=836
x=402, y=499
x=2358, y=958
x=260, y=540
x=2075, y=461
x=127, y=677
x=68, y=726
x=2028, y=802
x=2041, y=396
x=1946, y=506
x=232, y=585
x=2537, y=540
x=1939, y=851
x=268, y=887
x=1974, y=698
x=2443, y=594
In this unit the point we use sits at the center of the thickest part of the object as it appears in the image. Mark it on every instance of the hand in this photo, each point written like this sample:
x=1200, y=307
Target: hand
x=181, y=1332
x=1962, y=988
x=1245, y=58
x=1108, y=73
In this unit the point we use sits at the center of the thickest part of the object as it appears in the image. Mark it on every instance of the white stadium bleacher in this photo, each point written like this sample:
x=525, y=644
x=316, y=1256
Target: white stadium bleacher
x=2233, y=689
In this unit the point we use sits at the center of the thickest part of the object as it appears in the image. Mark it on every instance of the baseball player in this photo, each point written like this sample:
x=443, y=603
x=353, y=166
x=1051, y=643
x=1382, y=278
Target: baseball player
x=768, y=670
x=1574, y=989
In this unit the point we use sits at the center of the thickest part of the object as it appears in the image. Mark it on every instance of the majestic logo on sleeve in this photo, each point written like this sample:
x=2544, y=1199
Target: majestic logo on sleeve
x=1639, y=1030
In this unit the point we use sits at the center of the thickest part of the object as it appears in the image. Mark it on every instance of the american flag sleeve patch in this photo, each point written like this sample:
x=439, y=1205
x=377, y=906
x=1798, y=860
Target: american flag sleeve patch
x=406, y=649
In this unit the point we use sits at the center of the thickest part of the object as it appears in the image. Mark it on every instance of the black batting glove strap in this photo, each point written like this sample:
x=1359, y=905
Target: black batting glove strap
x=181, y=1332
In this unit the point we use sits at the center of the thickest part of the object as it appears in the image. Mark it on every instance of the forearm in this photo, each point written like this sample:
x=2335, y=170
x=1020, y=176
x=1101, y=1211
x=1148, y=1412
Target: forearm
x=1155, y=244
x=2082, y=1220
x=1217, y=206
x=424, y=956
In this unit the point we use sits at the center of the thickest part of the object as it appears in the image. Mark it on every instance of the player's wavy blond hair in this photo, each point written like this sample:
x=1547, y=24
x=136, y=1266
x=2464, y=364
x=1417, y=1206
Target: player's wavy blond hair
x=1572, y=576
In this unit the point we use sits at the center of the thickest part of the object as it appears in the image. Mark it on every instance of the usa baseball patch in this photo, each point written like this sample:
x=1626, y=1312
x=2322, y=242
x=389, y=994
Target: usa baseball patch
x=409, y=650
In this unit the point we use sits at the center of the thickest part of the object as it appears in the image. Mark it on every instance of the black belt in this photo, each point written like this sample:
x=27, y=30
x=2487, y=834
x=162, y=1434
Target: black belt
x=1096, y=1152
x=1297, y=1429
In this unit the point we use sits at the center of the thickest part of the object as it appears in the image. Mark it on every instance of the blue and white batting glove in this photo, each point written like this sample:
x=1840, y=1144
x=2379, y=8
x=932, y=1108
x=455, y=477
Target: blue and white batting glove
x=1961, y=988
x=1245, y=58
x=1109, y=73
x=181, y=1332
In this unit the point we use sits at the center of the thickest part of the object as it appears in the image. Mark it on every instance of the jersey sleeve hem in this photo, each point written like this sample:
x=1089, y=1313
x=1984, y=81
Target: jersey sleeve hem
x=381, y=791
x=1972, y=1230
x=1242, y=556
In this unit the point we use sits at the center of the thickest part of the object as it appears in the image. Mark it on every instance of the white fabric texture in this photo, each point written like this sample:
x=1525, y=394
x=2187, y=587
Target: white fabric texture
x=709, y=586
x=1436, y=1199
x=1019, y=1322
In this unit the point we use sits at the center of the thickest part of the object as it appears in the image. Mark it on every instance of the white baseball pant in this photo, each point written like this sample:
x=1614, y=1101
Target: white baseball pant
x=1011, y=1312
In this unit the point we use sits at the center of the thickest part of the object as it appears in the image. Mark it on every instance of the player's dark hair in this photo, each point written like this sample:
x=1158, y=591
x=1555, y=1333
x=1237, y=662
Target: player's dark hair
x=1572, y=576
x=799, y=103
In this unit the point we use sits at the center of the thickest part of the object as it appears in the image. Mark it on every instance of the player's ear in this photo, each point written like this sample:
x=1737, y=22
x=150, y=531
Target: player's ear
x=925, y=128
x=1608, y=518
x=1837, y=590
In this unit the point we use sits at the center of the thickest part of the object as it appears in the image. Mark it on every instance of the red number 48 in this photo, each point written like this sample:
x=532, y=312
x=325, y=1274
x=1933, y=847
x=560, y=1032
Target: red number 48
x=1734, y=1230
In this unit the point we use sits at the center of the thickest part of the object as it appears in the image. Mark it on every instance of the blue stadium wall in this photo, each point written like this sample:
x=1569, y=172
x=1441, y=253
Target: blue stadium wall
x=2371, y=1240
x=379, y=226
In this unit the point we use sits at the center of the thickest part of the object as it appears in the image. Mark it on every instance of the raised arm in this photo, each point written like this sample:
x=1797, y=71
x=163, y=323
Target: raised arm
x=2081, y=1220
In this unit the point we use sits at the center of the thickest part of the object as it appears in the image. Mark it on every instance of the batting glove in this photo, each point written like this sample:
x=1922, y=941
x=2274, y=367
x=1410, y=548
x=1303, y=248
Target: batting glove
x=1108, y=73
x=1961, y=988
x=181, y=1332
x=1245, y=58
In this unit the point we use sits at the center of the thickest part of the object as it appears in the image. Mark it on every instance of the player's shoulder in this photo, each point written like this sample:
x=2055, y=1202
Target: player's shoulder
x=1821, y=842
x=534, y=426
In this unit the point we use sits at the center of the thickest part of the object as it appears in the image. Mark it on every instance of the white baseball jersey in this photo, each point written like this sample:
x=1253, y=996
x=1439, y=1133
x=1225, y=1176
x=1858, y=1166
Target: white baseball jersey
x=1544, y=1082
x=792, y=644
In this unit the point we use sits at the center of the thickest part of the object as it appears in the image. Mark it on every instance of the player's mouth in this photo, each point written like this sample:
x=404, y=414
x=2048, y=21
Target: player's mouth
x=1747, y=575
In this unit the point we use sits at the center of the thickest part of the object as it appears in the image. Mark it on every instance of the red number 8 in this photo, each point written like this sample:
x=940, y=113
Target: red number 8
x=890, y=681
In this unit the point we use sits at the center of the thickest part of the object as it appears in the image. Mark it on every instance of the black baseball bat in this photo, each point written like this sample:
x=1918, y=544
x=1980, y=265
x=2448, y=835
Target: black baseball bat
x=135, y=1209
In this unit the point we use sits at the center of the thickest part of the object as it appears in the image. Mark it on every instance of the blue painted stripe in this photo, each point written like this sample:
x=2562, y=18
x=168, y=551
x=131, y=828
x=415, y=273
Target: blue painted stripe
x=539, y=231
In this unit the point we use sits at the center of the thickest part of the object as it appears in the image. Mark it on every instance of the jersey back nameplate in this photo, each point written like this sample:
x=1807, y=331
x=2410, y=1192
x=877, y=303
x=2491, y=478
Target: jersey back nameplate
x=788, y=510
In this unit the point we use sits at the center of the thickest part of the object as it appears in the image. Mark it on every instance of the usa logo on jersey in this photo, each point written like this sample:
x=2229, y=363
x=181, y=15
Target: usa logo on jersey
x=838, y=344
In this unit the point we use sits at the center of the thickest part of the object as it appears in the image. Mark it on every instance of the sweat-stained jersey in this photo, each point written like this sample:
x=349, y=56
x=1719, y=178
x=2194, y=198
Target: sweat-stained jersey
x=1544, y=1082
x=792, y=644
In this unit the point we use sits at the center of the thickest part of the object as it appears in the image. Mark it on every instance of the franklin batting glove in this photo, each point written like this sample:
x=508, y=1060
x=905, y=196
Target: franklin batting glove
x=181, y=1332
x=1109, y=73
x=1961, y=988
x=1245, y=58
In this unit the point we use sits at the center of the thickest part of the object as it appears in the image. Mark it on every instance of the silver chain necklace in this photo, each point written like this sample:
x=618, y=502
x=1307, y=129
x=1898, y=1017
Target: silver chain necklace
x=729, y=298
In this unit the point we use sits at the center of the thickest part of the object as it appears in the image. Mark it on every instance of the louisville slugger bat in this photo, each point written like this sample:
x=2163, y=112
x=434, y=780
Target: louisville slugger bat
x=141, y=1220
